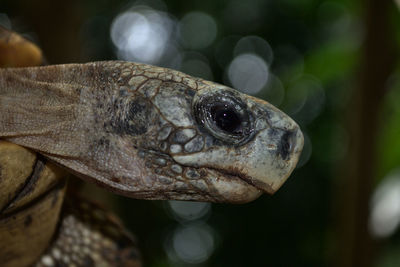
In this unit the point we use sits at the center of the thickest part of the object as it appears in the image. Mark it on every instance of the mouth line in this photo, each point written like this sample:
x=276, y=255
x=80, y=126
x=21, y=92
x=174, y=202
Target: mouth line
x=265, y=188
x=232, y=172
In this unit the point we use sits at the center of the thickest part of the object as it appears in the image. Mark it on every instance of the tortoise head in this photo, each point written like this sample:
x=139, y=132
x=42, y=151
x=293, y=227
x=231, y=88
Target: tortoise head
x=198, y=140
x=154, y=133
x=243, y=137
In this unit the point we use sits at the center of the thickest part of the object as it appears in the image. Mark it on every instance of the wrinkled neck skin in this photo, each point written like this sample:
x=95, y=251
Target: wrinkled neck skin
x=133, y=129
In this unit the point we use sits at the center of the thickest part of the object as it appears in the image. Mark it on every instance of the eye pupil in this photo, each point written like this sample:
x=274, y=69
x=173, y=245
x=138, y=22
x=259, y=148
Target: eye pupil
x=226, y=119
x=224, y=116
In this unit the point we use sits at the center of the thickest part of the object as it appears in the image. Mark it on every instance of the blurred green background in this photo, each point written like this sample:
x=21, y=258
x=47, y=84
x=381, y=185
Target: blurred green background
x=330, y=64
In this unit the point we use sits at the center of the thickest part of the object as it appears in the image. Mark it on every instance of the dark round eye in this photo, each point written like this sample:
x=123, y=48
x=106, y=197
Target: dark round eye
x=224, y=116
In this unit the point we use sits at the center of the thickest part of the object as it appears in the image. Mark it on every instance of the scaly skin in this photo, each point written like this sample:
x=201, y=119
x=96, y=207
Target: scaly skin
x=149, y=132
x=32, y=230
x=138, y=130
x=90, y=236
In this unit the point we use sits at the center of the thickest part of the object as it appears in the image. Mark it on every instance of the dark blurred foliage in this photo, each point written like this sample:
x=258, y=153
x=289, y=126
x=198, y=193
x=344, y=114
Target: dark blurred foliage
x=320, y=66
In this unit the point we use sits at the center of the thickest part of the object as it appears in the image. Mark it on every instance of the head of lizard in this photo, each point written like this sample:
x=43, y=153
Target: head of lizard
x=149, y=132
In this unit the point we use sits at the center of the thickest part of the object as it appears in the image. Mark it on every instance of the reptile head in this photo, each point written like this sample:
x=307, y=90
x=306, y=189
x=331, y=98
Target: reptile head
x=237, y=145
x=152, y=133
x=199, y=140
x=241, y=136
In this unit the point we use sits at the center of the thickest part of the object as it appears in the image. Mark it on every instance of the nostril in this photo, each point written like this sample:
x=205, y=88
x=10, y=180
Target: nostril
x=285, y=145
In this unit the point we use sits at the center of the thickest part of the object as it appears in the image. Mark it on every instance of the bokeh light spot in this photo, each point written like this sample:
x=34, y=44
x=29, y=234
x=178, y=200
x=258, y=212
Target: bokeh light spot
x=195, y=64
x=191, y=244
x=305, y=99
x=385, y=206
x=255, y=45
x=186, y=210
x=141, y=35
x=306, y=153
x=248, y=73
x=334, y=17
x=198, y=30
x=274, y=92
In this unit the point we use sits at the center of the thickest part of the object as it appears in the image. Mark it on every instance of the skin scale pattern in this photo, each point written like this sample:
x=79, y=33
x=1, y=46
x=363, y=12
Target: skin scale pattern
x=85, y=234
x=132, y=128
x=89, y=236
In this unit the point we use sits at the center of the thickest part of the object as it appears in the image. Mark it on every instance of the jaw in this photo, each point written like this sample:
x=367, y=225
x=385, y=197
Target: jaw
x=221, y=188
x=230, y=188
